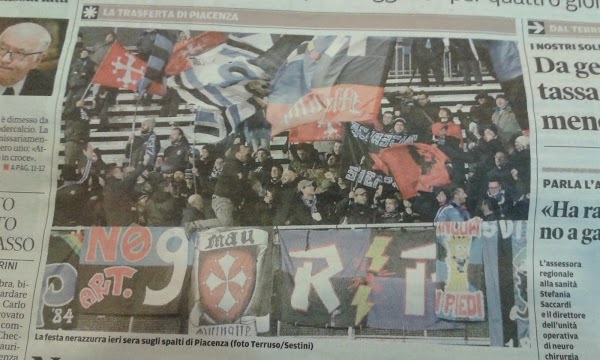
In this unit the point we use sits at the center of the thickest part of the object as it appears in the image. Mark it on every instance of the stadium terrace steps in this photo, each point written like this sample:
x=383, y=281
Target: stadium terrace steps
x=121, y=115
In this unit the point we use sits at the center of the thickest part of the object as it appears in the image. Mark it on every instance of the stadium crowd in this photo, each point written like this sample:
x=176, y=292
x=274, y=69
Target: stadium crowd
x=489, y=169
x=233, y=183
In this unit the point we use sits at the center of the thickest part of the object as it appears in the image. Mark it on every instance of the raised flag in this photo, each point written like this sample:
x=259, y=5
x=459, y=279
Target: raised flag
x=318, y=131
x=221, y=74
x=224, y=65
x=249, y=45
x=232, y=283
x=219, y=111
x=452, y=129
x=194, y=46
x=209, y=121
x=160, y=53
x=415, y=167
x=224, y=76
x=360, y=140
x=330, y=78
x=122, y=69
x=275, y=56
x=459, y=271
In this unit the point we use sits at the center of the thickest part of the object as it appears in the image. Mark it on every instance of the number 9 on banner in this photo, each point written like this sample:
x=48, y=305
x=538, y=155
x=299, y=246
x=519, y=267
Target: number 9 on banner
x=172, y=248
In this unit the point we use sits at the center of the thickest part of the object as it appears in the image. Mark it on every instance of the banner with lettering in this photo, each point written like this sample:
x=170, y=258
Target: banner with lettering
x=505, y=265
x=330, y=79
x=133, y=271
x=232, y=283
x=459, y=271
x=519, y=311
x=57, y=310
x=372, y=278
x=321, y=272
x=359, y=141
x=401, y=268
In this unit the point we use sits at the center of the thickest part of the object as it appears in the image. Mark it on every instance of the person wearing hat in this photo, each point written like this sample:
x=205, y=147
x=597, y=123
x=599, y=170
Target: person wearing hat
x=357, y=206
x=481, y=113
x=263, y=164
x=189, y=179
x=399, y=127
x=309, y=209
x=504, y=118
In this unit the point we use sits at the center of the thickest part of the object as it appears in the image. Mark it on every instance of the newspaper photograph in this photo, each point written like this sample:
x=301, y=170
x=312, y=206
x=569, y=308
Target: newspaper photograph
x=368, y=179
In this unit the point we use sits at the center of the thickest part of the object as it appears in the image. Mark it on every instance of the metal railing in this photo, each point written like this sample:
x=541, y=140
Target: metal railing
x=403, y=64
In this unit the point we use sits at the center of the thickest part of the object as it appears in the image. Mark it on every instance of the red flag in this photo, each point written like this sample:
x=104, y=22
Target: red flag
x=342, y=82
x=122, y=69
x=341, y=103
x=452, y=129
x=317, y=131
x=415, y=167
x=193, y=46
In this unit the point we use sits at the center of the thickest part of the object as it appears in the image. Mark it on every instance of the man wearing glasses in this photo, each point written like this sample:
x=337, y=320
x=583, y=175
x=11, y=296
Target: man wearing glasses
x=22, y=48
x=358, y=208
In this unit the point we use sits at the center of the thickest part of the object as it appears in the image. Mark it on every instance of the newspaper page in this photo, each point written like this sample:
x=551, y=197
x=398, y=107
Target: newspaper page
x=340, y=179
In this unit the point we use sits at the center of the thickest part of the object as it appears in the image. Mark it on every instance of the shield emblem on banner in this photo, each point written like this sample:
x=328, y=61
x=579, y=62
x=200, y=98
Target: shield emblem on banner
x=226, y=280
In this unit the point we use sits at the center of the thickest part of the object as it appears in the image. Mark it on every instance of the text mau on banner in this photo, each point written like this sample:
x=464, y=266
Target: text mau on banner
x=232, y=283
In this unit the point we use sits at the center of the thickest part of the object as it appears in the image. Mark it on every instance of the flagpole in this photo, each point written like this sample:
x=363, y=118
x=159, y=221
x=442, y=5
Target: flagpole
x=137, y=101
x=86, y=90
x=352, y=190
x=194, y=154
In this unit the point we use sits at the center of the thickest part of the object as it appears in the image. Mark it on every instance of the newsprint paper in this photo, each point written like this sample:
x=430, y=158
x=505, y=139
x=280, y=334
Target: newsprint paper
x=299, y=179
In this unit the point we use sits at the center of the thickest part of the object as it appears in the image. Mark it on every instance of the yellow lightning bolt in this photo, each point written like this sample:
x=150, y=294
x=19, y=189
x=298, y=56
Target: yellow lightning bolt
x=376, y=251
x=362, y=303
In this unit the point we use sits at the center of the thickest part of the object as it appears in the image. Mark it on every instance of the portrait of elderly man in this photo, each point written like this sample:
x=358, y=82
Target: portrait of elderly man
x=23, y=46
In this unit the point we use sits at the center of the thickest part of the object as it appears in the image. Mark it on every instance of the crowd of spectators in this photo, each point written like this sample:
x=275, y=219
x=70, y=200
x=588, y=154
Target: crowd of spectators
x=239, y=183
x=489, y=168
